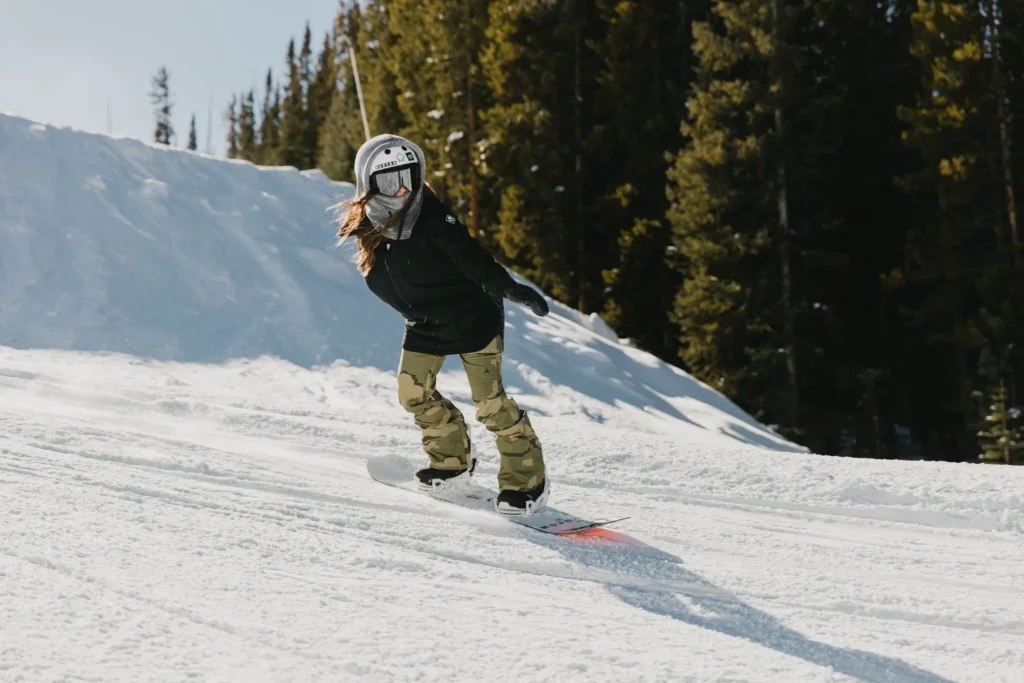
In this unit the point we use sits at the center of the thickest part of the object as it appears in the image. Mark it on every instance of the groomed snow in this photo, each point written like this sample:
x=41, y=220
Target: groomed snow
x=191, y=381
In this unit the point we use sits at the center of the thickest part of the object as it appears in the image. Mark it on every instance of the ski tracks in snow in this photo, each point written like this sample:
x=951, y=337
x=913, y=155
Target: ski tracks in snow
x=167, y=522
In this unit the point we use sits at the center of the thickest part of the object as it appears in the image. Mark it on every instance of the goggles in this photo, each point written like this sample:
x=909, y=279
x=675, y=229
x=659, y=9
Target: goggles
x=390, y=181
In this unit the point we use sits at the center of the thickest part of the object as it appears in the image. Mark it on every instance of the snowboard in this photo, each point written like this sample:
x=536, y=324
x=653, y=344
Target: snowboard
x=399, y=472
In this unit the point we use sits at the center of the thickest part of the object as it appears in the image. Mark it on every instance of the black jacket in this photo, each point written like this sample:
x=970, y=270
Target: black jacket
x=443, y=282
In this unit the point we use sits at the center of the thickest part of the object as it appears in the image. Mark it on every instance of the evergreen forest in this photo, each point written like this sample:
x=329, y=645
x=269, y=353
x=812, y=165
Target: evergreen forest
x=810, y=205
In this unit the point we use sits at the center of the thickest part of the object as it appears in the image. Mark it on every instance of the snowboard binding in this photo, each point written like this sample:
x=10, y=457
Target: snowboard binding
x=435, y=481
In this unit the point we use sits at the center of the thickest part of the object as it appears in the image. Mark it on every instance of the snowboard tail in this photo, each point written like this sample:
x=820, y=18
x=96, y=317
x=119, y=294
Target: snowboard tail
x=399, y=472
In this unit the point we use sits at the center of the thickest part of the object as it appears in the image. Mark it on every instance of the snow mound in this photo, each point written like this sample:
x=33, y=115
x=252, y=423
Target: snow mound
x=117, y=245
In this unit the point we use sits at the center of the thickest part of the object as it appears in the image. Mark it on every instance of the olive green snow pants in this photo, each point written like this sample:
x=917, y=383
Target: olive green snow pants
x=445, y=438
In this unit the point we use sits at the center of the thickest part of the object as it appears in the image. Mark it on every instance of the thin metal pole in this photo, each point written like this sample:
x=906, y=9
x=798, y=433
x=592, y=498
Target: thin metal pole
x=359, y=88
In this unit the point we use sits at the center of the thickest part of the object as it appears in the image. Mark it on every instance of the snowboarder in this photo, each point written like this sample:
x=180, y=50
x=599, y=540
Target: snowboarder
x=421, y=260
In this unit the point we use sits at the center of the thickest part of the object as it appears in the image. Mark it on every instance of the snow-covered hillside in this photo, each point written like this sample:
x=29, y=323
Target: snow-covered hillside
x=192, y=378
x=116, y=245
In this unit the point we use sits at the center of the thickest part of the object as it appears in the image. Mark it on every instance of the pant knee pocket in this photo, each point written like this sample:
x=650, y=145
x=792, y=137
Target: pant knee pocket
x=519, y=428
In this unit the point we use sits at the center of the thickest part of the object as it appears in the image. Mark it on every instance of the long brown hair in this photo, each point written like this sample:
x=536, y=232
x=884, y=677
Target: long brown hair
x=354, y=223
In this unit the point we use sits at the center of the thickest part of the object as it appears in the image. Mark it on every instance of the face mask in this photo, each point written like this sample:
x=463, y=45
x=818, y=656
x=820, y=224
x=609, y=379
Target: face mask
x=381, y=207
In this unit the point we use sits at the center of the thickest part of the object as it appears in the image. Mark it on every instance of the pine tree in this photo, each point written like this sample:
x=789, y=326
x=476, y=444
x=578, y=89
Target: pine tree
x=319, y=96
x=306, y=80
x=1002, y=439
x=160, y=96
x=436, y=64
x=232, y=118
x=1001, y=39
x=648, y=41
x=341, y=133
x=293, y=150
x=730, y=213
x=963, y=249
x=376, y=42
x=247, y=141
x=192, y=142
x=305, y=55
x=1001, y=435
x=270, y=123
x=541, y=72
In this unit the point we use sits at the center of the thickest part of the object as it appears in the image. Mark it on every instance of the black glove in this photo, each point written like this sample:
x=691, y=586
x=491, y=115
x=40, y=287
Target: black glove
x=527, y=296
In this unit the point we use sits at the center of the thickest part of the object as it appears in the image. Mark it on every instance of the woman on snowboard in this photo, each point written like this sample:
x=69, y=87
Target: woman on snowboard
x=418, y=258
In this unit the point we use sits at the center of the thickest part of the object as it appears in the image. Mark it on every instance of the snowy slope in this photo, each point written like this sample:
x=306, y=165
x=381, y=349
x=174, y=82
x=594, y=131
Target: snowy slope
x=116, y=245
x=191, y=380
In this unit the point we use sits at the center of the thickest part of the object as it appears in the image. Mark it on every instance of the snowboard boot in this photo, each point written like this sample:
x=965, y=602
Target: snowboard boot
x=522, y=503
x=433, y=479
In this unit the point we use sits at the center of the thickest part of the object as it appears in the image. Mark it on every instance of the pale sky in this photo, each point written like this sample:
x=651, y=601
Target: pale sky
x=61, y=61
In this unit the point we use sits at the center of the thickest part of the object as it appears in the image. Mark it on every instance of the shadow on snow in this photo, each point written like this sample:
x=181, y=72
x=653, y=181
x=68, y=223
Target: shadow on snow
x=656, y=581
